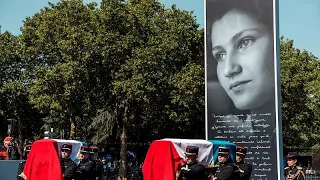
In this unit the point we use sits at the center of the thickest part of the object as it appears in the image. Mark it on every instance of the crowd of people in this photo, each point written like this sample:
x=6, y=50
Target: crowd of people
x=190, y=169
x=12, y=150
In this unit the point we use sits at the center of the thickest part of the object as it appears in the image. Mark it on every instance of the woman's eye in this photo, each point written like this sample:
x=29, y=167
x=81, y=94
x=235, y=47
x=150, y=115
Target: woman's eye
x=219, y=56
x=246, y=42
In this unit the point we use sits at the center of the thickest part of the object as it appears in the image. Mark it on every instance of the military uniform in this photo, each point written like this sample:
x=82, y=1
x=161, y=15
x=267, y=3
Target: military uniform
x=245, y=168
x=226, y=170
x=68, y=167
x=20, y=174
x=211, y=170
x=85, y=169
x=20, y=170
x=293, y=172
x=98, y=169
x=192, y=171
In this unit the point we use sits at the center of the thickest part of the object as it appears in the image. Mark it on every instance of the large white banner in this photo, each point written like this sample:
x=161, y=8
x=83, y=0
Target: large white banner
x=242, y=87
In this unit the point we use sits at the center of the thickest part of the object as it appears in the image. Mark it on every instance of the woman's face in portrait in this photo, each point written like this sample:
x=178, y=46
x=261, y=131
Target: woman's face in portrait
x=243, y=50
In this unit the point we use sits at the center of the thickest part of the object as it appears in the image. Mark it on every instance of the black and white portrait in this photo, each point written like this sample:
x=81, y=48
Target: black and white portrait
x=241, y=79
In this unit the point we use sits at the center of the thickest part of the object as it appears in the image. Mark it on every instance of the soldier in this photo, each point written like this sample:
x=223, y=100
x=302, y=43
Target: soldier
x=67, y=165
x=191, y=170
x=85, y=170
x=98, y=165
x=20, y=174
x=292, y=171
x=211, y=170
x=246, y=168
x=226, y=170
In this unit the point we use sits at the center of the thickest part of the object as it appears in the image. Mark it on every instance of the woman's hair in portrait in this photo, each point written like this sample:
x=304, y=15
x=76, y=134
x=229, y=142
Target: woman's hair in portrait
x=260, y=10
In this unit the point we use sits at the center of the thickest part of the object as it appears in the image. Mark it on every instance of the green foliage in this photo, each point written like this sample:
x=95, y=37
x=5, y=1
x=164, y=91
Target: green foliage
x=63, y=58
x=188, y=101
x=87, y=64
x=104, y=124
x=13, y=89
x=300, y=77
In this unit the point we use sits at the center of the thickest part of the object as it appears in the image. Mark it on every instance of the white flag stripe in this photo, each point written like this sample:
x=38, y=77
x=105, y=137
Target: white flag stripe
x=205, y=154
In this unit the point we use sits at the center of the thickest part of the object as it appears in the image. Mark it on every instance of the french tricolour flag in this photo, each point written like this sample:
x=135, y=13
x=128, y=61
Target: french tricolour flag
x=164, y=156
x=44, y=159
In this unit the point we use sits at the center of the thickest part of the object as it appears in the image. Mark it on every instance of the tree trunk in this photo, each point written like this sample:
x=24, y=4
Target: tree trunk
x=72, y=128
x=123, y=150
x=20, y=132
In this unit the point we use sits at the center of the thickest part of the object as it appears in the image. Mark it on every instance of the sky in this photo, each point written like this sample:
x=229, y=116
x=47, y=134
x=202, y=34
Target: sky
x=299, y=19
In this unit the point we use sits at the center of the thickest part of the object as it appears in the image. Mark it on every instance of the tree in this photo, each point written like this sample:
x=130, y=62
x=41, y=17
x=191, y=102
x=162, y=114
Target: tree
x=188, y=102
x=300, y=77
x=122, y=66
x=63, y=57
x=156, y=44
x=13, y=88
x=127, y=70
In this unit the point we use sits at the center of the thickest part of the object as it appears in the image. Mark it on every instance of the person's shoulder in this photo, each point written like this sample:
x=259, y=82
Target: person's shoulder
x=286, y=167
x=229, y=166
x=236, y=167
x=299, y=168
x=69, y=162
x=73, y=163
x=200, y=166
x=91, y=163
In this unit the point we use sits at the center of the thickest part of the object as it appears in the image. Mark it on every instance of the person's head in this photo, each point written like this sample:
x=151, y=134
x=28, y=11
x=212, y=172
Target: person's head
x=191, y=154
x=27, y=150
x=66, y=150
x=292, y=158
x=241, y=44
x=223, y=154
x=13, y=143
x=94, y=152
x=241, y=153
x=84, y=153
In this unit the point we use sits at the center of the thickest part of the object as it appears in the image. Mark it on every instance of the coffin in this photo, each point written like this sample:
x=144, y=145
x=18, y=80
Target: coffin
x=165, y=155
